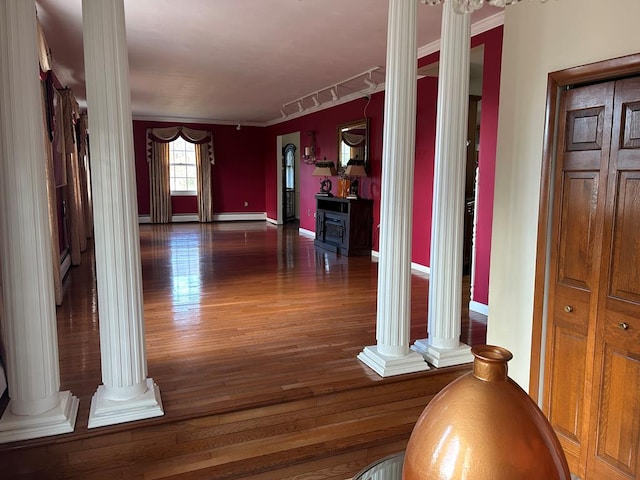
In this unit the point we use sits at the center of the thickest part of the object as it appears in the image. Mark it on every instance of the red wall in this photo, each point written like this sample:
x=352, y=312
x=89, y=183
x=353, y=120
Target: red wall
x=487, y=158
x=238, y=175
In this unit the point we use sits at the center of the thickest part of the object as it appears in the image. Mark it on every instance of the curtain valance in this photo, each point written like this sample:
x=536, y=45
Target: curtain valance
x=169, y=134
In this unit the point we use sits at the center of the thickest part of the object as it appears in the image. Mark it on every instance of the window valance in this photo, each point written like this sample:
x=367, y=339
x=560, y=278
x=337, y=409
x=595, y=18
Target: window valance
x=169, y=134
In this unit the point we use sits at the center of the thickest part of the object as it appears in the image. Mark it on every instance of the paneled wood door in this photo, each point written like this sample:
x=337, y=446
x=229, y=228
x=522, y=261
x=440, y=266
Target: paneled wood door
x=592, y=367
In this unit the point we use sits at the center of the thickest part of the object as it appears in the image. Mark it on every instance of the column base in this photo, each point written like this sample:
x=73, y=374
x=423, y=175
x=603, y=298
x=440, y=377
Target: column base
x=109, y=412
x=58, y=420
x=443, y=357
x=386, y=366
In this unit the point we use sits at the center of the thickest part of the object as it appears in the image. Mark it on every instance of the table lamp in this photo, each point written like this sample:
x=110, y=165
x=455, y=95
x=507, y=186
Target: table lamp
x=325, y=169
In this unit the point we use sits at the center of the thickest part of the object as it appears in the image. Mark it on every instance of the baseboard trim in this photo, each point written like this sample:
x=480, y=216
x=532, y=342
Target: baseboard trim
x=306, y=233
x=479, y=307
x=183, y=218
x=218, y=217
x=240, y=216
x=420, y=268
x=65, y=263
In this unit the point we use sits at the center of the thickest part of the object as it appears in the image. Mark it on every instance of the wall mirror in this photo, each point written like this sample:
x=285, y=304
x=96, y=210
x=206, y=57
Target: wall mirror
x=353, y=143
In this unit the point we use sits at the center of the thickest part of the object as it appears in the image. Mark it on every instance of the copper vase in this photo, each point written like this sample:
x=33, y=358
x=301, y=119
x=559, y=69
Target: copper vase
x=483, y=426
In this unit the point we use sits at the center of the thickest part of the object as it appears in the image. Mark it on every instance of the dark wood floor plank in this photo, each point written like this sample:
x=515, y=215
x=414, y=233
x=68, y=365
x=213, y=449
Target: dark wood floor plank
x=252, y=335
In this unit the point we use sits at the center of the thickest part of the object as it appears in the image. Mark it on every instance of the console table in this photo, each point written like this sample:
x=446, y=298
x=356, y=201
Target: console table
x=343, y=225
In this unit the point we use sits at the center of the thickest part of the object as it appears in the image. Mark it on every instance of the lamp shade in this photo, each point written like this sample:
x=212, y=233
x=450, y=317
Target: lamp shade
x=324, y=169
x=483, y=426
x=355, y=171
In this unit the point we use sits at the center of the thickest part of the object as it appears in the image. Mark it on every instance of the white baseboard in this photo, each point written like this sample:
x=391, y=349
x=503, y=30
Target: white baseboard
x=273, y=221
x=420, y=268
x=239, y=216
x=65, y=263
x=219, y=217
x=306, y=233
x=182, y=218
x=479, y=307
x=414, y=266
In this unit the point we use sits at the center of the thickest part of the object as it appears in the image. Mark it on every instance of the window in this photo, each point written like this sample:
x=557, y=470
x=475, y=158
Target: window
x=182, y=167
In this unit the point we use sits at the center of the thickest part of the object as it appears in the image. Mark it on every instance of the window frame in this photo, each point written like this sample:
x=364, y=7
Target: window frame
x=188, y=146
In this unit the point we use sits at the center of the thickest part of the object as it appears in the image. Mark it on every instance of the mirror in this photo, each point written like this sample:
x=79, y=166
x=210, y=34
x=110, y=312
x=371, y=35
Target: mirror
x=353, y=143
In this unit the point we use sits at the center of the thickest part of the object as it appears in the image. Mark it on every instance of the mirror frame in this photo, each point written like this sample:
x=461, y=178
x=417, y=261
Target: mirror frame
x=341, y=164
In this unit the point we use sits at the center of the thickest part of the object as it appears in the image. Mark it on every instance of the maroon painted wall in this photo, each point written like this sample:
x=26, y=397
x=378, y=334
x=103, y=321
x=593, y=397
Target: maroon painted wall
x=238, y=175
x=487, y=158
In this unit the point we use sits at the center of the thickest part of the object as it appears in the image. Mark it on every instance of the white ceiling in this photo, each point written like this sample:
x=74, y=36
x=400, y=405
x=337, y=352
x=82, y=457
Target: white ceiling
x=235, y=61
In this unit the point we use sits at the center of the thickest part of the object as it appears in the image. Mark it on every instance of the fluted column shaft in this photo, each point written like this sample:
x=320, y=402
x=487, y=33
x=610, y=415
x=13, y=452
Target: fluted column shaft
x=117, y=242
x=29, y=315
x=443, y=347
x=394, y=268
x=391, y=355
x=447, y=227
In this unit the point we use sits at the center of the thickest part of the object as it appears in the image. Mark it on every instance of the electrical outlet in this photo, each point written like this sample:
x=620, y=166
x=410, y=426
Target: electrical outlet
x=308, y=212
x=314, y=214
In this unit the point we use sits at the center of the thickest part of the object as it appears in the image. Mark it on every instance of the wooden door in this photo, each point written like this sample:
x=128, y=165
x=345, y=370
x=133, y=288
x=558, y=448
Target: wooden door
x=592, y=371
x=614, y=443
x=583, y=153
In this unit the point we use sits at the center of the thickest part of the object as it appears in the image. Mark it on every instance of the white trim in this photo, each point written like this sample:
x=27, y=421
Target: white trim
x=240, y=216
x=65, y=263
x=386, y=366
x=479, y=307
x=420, y=268
x=307, y=233
x=104, y=411
x=184, y=193
x=271, y=220
x=218, y=217
x=202, y=121
x=60, y=419
x=443, y=357
x=182, y=217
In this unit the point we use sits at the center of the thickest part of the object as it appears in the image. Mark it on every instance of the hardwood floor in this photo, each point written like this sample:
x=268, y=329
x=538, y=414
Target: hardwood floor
x=252, y=336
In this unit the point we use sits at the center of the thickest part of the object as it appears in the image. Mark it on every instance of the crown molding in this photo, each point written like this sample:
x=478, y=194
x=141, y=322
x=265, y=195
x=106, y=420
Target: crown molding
x=202, y=121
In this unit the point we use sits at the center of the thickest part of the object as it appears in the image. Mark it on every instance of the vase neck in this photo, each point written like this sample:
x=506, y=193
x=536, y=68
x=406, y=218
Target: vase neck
x=490, y=363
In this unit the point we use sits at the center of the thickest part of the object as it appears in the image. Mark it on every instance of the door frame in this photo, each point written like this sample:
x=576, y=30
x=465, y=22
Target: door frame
x=605, y=70
x=281, y=141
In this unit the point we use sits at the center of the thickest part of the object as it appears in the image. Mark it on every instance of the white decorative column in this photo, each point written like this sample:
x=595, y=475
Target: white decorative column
x=391, y=355
x=126, y=394
x=37, y=408
x=443, y=347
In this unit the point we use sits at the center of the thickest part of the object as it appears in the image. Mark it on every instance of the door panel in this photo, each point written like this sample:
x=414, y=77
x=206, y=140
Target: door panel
x=614, y=429
x=584, y=141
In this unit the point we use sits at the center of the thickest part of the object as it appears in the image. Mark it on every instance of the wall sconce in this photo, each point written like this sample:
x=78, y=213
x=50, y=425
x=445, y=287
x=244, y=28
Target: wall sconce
x=355, y=168
x=309, y=156
x=325, y=169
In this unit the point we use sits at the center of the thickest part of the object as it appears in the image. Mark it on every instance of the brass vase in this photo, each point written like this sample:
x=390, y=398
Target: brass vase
x=483, y=426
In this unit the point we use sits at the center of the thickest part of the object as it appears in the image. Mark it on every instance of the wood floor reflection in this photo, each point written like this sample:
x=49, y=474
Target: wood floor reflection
x=243, y=317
